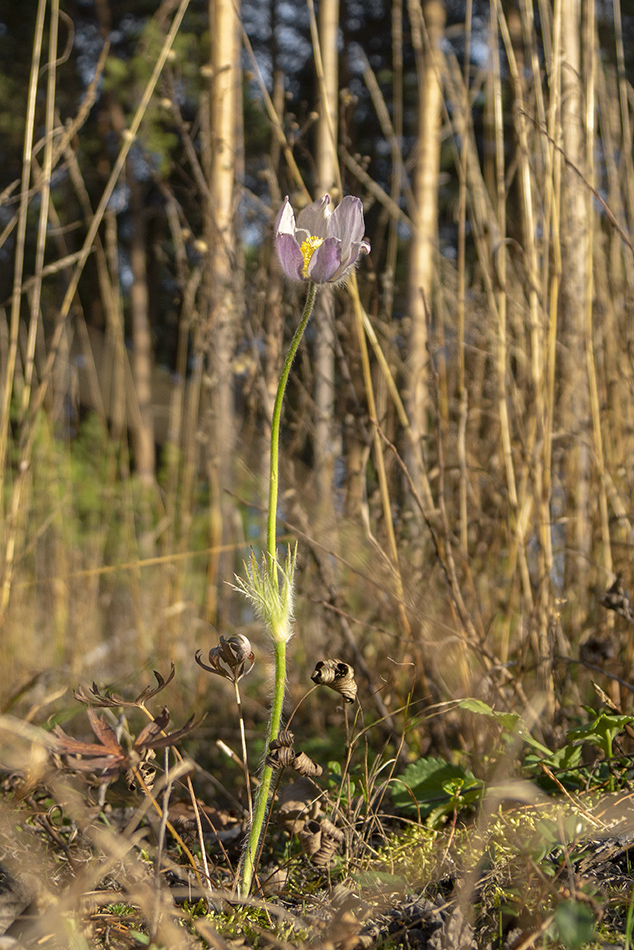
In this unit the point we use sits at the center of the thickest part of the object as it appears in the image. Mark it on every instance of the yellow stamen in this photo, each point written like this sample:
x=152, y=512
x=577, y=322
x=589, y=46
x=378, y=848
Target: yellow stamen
x=308, y=248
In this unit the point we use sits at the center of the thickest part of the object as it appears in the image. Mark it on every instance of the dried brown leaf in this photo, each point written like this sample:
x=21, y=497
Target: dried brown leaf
x=113, y=700
x=165, y=741
x=153, y=730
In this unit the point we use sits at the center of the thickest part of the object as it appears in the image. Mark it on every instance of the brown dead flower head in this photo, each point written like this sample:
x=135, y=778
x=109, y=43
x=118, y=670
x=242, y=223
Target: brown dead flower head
x=231, y=659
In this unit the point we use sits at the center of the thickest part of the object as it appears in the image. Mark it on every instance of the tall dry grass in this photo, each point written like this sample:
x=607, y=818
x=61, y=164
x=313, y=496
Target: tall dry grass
x=468, y=565
x=481, y=575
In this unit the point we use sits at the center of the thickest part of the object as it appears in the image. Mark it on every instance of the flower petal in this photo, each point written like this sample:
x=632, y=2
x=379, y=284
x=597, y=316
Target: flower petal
x=290, y=256
x=325, y=261
x=346, y=223
x=301, y=235
x=357, y=251
x=314, y=218
x=285, y=223
x=321, y=245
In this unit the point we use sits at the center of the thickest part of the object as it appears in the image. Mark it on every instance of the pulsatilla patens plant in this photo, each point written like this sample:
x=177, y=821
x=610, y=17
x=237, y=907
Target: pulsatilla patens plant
x=320, y=246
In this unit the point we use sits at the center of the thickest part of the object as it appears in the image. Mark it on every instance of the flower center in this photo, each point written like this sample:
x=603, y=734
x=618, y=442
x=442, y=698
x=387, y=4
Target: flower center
x=308, y=248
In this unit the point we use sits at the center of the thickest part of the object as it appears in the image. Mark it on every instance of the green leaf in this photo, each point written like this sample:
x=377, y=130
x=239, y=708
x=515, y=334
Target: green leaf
x=574, y=923
x=436, y=816
x=568, y=757
x=510, y=722
x=476, y=706
x=601, y=730
x=434, y=784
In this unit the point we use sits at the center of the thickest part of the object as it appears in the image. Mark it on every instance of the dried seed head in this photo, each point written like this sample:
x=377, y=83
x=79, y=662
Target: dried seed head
x=284, y=739
x=283, y=756
x=616, y=598
x=338, y=676
x=305, y=766
x=231, y=659
x=320, y=840
x=310, y=838
x=146, y=770
x=331, y=831
x=300, y=802
x=331, y=839
x=107, y=757
x=324, y=856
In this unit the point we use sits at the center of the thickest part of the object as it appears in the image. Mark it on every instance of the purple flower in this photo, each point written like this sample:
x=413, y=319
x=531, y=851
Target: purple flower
x=323, y=245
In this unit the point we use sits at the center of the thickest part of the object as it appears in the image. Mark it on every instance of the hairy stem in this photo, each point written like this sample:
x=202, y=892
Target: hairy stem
x=271, y=545
x=250, y=857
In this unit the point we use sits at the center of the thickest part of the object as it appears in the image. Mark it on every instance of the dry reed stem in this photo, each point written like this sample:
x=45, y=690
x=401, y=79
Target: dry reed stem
x=28, y=433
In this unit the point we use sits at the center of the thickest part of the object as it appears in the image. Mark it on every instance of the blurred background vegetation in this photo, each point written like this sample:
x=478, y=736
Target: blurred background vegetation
x=458, y=442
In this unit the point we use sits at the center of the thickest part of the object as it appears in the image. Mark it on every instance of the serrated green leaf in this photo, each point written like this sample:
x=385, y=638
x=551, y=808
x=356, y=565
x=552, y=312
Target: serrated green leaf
x=428, y=780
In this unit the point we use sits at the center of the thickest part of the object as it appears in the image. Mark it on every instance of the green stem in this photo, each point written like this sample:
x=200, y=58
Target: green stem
x=271, y=545
x=611, y=784
x=250, y=857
